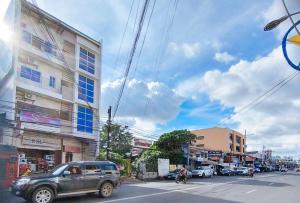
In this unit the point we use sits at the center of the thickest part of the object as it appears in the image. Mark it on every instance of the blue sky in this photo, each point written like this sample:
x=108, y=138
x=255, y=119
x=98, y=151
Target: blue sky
x=215, y=59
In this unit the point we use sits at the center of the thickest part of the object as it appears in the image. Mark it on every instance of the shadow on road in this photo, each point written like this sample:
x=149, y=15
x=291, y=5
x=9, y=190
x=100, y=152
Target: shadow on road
x=131, y=194
x=262, y=183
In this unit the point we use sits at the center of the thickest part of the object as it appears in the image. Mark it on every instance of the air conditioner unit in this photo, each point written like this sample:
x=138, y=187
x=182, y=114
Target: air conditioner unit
x=30, y=96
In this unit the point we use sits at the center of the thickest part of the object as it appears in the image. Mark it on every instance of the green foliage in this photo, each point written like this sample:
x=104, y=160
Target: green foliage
x=171, y=143
x=120, y=139
x=150, y=158
x=168, y=146
x=120, y=146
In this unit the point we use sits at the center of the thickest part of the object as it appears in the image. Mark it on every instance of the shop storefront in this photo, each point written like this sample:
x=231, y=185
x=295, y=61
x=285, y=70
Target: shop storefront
x=38, y=152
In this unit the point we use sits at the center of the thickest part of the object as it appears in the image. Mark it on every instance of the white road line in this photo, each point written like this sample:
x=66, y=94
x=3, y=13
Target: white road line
x=250, y=191
x=149, y=195
x=271, y=183
x=185, y=189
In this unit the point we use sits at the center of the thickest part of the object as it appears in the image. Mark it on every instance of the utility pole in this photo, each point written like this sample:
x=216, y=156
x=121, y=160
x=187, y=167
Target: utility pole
x=188, y=156
x=108, y=132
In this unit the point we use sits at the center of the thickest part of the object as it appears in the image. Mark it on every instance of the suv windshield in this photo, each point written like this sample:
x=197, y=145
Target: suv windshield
x=58, y=169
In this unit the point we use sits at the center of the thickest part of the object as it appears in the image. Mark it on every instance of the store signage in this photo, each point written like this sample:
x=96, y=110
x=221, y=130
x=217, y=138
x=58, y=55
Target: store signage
x=72, y=149
x=39, y=118
x=42, y=142
x=214, y=153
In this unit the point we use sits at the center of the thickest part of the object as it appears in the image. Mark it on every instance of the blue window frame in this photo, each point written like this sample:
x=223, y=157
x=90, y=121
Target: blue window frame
x=86, y=89
x=85, y=119
x=52, y=81
x=87, y=61
x=48, y=47
x=30, y=74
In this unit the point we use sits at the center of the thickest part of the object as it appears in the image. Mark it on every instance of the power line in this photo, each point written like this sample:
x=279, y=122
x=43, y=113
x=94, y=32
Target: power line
x=162, y=46
x=123, y=35
x=132, y=52
x=258, y=100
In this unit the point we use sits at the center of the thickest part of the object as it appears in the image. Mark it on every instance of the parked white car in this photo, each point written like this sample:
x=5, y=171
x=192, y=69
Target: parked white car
x=202, y=171
x=242, y=171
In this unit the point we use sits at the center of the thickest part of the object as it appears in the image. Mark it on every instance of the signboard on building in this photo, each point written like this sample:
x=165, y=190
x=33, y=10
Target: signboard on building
x=73, y=149
x=214, y=154
x=39, y=118
x=41, y=142
x=163, y=167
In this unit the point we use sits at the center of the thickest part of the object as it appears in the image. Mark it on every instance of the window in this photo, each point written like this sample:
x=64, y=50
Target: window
x=87, y=61
x=109, y=167
x=52, y=81
x=26, y=36
x=30, y=74
x=65, y=115
x=85, y=119
x=86, y=89
x=92, y=169
x=200, y=137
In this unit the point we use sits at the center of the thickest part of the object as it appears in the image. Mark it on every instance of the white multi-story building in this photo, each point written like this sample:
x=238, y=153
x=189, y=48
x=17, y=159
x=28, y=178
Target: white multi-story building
x=49, y=87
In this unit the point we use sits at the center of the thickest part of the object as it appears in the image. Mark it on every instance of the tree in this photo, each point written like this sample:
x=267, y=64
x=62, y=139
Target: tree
x=170, y=144
x=120, y=139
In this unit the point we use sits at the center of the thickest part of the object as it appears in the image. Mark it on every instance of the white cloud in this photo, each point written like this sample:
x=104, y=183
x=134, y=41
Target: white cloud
x=144, y=105
x=189, y=50
x=224, y=57
x=275, y=121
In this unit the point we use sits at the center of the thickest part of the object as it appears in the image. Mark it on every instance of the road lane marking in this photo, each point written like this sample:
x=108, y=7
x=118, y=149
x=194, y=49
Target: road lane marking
x=271, y=183
x=186, y=189
x=250, y=191
x=148, y=195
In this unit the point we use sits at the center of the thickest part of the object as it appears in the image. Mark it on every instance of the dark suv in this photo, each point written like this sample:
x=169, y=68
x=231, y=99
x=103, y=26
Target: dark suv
x=68, y=179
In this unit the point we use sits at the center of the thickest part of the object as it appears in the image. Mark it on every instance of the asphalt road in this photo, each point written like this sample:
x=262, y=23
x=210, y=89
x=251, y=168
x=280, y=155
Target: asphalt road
x=263, y=188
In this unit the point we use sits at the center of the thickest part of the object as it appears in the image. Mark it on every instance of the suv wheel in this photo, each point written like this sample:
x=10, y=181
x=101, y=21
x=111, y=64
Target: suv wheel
x=42, y=195
x=106, y=189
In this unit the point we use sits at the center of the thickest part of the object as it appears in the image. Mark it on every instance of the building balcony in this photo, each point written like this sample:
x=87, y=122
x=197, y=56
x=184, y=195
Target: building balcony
x=47, y=51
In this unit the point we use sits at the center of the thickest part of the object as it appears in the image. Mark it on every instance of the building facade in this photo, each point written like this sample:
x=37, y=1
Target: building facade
x=140, y=145
x=218, y=144
x=50, y=90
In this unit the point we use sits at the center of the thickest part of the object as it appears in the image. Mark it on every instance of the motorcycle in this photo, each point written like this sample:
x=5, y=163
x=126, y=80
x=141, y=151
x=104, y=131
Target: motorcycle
x=180, y=178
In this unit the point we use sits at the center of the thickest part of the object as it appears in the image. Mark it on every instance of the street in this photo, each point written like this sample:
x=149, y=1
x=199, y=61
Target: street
x=265, y=187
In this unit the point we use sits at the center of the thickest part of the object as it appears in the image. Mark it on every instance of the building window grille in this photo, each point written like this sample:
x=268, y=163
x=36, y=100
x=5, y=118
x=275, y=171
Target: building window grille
x=86, y=89
x=85, y=119
x=87, y=61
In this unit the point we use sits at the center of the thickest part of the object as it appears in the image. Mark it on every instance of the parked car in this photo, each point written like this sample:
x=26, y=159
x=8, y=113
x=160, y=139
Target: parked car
x=256, y=170
x=173, y=174
x=227, y=172
x=242, y=171
x=202, y=171
x=297, y=169
x=67, y=179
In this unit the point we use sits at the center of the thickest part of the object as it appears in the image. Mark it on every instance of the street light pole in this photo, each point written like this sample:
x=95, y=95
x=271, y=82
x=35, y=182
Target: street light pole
x=290, y=17
x=273, y=24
